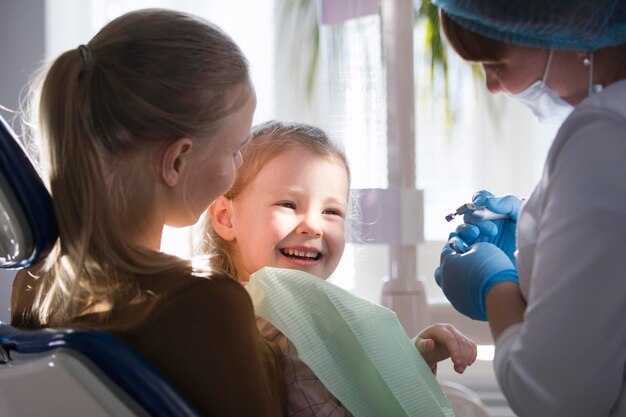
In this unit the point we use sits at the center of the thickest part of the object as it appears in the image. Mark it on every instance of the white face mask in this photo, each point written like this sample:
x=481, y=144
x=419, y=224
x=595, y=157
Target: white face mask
x=541, y=100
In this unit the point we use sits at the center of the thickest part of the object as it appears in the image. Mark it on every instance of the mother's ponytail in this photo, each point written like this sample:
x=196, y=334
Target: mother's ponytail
x=145, y=80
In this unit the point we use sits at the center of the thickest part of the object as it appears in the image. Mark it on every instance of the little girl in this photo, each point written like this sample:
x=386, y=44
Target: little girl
x=291, y=213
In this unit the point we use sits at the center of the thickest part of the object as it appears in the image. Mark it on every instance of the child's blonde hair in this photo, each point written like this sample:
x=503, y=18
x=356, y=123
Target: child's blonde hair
x=269, y=140
x=147, y=79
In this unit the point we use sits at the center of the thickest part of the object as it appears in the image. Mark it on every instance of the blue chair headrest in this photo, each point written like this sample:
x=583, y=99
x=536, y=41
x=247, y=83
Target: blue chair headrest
x=28, y=227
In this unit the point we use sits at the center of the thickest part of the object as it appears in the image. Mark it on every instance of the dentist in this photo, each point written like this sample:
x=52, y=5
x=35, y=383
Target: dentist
x=551, y=281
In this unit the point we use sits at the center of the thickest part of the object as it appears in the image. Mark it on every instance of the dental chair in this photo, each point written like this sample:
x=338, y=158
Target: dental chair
x=63, y=372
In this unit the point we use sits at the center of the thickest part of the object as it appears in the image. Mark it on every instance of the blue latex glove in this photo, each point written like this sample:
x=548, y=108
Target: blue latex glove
x=500, y=232
x=466, y=278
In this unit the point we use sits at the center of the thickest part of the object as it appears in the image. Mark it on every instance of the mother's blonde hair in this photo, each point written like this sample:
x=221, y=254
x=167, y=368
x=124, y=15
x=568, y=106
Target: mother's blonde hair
x=147, y=79
x=269, y=140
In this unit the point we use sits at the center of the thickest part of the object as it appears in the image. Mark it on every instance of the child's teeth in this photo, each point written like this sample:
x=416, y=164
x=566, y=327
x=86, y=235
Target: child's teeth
x=301, y=254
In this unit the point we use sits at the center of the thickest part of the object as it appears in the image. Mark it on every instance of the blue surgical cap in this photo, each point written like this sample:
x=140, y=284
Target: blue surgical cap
x=578, y=25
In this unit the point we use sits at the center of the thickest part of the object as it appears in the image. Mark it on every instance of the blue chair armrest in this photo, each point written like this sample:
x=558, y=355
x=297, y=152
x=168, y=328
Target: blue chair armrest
x=125, y=367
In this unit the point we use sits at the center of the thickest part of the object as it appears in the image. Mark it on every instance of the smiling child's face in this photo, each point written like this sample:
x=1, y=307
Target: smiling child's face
x=292, y=215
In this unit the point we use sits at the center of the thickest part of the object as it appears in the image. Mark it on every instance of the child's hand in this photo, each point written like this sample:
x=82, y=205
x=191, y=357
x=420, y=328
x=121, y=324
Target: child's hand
x=441, y=341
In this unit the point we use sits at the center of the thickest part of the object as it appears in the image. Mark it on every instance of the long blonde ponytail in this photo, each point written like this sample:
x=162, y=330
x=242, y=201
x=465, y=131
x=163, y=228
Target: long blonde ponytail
x=146, y=79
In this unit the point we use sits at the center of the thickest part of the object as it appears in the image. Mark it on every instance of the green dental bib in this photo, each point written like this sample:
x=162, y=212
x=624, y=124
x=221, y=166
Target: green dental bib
x=358, y=349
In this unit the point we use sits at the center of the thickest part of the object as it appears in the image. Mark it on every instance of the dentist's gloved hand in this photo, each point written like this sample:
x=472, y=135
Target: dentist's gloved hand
x=466, y=278
x=500, y=232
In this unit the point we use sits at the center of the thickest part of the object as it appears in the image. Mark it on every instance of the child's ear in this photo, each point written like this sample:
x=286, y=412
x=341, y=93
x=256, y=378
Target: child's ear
x=221, y=217
x=174, y=160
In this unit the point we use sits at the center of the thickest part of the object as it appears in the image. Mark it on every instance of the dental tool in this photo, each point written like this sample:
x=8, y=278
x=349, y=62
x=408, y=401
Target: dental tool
x=478, y=212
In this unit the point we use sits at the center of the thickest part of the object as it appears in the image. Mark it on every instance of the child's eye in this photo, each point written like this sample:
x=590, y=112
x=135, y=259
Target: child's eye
x=333, y=212
x=286, y=204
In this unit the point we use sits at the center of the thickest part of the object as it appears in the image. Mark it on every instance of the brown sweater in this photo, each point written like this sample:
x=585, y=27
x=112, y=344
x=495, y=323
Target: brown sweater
x=200, y=334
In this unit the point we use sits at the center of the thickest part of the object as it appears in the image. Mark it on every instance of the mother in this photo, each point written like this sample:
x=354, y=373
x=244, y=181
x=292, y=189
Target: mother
x=141, y=128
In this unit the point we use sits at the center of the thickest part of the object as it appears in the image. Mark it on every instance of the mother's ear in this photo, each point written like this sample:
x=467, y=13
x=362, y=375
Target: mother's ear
x=221, y=217
x=175, y=160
